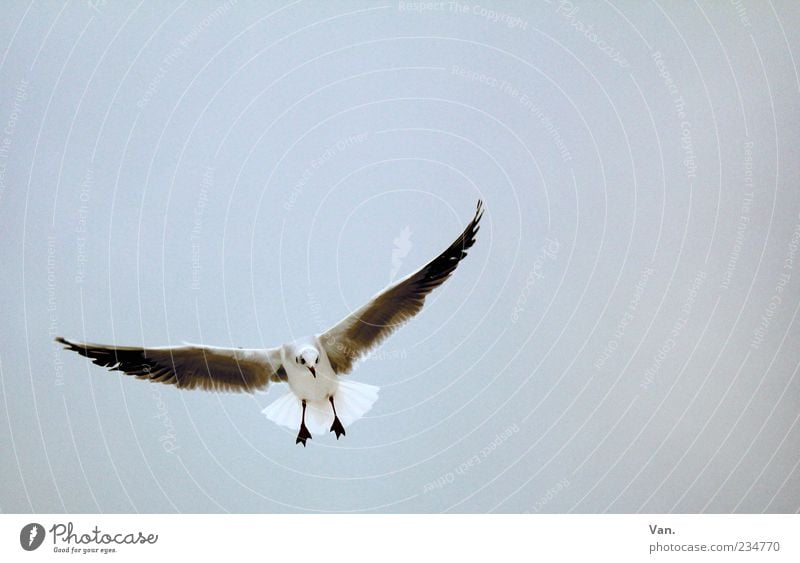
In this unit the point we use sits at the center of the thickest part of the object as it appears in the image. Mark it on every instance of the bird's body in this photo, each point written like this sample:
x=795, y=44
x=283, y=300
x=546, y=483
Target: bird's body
x=322, y=385
x=312, y=367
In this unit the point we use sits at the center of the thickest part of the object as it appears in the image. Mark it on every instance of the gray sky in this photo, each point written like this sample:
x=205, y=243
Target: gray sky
x=622, y=337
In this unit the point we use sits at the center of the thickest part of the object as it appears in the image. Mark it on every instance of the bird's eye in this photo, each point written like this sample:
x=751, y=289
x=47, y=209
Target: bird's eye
x=302, y=361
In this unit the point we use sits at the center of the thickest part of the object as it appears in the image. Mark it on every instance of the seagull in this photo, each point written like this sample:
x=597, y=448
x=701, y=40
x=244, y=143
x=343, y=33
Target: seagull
x=311, y=366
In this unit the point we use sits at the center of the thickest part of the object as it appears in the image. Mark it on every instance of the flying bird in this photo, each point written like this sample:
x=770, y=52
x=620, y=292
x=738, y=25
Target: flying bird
x=311, y=366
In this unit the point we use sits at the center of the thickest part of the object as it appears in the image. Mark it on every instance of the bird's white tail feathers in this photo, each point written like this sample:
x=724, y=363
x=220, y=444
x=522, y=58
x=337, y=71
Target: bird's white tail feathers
x=352, y=400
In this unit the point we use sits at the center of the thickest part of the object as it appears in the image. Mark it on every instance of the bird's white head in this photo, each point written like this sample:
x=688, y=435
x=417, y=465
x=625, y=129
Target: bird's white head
x=308, y=358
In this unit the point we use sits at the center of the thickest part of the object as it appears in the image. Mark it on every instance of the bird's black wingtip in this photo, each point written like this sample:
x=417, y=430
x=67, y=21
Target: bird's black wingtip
x=475, y=224
x=69, y=345
x=478, y=212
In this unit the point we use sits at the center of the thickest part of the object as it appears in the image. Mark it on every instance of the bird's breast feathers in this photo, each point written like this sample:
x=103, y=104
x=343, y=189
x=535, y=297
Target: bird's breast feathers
x=311, y=388
x=303, y=383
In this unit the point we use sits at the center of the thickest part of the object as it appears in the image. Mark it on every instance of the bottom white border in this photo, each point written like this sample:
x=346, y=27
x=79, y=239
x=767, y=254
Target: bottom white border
x=378, y=538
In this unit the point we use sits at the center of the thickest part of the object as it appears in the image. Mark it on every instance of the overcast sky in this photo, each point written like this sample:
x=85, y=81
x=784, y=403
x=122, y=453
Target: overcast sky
x=621, y=338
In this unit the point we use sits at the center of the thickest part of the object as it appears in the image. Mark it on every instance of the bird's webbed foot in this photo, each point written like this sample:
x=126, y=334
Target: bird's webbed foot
x=337, y=427
x=303, y=435
x=337, y=424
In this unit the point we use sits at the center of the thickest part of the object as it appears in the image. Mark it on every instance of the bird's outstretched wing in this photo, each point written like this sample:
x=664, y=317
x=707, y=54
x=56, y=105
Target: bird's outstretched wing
x=371, y=324
x=190, y=366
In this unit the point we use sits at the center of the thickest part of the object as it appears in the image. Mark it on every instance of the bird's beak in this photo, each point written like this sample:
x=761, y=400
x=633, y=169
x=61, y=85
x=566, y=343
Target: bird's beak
x=313, y=371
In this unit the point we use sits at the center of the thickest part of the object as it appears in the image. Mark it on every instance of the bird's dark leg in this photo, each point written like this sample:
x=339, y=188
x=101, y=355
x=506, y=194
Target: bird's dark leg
x=304, y=434
x=337, y=424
